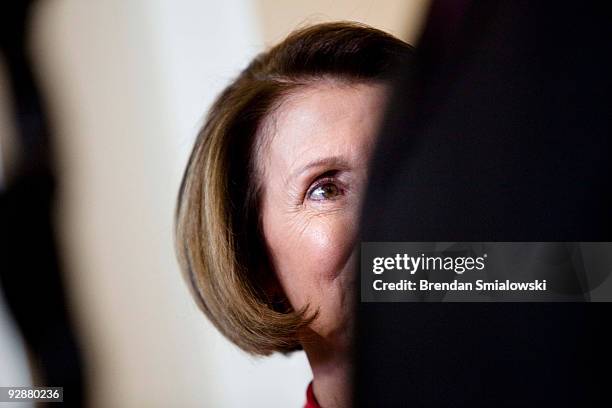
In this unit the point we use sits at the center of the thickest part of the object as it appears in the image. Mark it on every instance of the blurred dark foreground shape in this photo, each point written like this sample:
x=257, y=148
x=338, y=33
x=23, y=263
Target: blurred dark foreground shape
x=502, y=133
x=30, y=274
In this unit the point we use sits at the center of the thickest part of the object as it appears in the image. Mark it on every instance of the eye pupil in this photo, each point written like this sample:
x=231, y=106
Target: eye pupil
x=325, y=192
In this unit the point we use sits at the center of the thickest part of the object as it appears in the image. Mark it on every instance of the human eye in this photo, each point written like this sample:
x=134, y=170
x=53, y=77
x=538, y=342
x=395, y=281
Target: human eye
x=325, y=190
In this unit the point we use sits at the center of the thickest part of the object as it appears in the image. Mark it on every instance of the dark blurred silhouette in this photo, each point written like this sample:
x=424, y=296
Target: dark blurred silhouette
x=502, y=133
x=30, y=274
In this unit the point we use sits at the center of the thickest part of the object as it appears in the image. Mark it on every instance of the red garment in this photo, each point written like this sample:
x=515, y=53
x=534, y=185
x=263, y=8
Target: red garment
x=311, y=401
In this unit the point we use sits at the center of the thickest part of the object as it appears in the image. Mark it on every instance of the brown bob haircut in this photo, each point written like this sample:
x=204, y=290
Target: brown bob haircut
x=218, y=236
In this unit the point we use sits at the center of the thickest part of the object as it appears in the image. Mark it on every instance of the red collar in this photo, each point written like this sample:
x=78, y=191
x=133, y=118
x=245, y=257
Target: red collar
x=311, y=401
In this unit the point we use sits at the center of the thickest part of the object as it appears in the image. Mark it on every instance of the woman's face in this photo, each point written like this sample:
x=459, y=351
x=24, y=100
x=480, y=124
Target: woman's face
x=314, y=171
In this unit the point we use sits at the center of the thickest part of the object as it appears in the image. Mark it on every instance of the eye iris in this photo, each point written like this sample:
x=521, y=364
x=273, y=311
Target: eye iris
x=325, y=191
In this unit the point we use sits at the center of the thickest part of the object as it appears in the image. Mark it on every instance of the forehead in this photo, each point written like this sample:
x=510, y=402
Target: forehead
x=325, y=119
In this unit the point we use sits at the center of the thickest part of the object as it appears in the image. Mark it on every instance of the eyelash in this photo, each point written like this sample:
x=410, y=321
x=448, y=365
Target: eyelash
x=322, y=182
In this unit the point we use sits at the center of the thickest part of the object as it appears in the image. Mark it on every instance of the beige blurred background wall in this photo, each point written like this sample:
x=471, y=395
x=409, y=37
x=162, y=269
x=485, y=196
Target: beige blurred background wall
x=402, y=18
x=127, y=84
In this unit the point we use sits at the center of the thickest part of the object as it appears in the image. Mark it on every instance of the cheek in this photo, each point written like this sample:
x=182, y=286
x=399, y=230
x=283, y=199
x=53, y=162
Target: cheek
x=327, y=242
x=309, y=252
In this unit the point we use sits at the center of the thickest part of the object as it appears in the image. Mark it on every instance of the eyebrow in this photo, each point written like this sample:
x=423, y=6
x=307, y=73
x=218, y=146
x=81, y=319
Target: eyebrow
x=339, y=162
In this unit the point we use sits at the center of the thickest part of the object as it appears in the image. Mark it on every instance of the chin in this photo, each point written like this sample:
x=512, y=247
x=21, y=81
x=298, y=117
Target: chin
x=335, y=329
